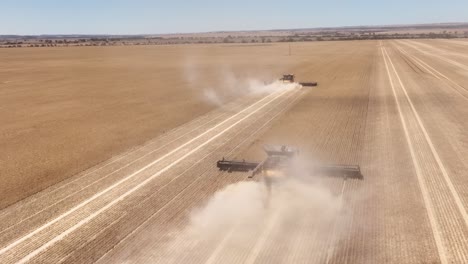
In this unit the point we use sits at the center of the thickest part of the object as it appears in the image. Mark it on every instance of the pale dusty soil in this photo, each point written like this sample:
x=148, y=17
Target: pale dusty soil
x=352, y=118
x=401, y=117
x=64, y=110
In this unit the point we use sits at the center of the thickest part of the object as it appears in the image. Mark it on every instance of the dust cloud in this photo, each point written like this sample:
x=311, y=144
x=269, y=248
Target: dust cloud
x=228, y=85
x=283, y=208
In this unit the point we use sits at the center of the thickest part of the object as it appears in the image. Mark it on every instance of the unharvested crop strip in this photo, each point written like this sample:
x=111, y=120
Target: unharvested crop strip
x=424, y=191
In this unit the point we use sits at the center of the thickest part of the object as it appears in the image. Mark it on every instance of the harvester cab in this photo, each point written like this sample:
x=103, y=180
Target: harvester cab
x=288, y=78
x=279, y=160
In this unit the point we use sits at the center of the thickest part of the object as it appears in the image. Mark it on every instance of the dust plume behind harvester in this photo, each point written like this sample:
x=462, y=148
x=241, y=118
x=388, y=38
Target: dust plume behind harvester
x=278, y=161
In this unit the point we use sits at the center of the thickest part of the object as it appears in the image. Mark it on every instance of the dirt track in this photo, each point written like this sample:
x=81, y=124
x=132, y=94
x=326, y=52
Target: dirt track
x=396, y=108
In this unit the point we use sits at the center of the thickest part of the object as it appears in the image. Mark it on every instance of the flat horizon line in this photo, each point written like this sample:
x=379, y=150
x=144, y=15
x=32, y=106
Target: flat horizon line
x=248, y=30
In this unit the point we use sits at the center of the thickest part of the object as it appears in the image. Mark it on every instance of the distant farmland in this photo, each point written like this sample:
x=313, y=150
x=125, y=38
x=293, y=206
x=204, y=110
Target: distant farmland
x=109, y=153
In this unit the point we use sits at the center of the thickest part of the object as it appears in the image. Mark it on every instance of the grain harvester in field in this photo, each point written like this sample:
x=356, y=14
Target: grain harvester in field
x=289, y=78
x=278, y=162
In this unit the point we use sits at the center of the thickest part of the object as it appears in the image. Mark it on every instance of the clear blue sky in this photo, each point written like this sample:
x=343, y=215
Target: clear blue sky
x=144, y=16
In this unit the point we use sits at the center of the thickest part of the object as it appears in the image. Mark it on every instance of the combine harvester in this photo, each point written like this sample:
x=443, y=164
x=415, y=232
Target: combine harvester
x=279, y=160
x=289, y=78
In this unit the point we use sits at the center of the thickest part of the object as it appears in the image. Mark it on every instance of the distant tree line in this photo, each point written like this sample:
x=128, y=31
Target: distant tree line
x=317, y=36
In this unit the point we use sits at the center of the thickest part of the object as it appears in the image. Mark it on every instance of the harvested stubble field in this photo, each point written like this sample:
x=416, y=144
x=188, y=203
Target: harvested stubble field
x=145, y=125
x=65, y=110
